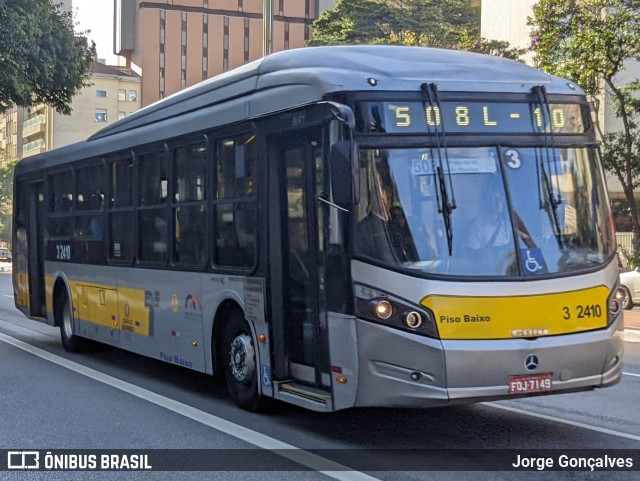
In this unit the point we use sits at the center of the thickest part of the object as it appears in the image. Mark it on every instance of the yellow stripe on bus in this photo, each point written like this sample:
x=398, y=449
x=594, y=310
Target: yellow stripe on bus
x=464, y=317
x=108, y=306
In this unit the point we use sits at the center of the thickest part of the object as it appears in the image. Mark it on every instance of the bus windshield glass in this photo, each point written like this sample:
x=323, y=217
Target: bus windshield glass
x=518, y=211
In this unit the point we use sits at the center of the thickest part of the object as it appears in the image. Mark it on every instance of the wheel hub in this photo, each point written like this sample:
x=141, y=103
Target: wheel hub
x=242, y=359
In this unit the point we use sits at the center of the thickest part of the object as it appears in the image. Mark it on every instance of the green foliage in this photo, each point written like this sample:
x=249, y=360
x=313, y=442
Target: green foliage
x=631, y=258
x=41, y=60
x=585, y=40
x=7, y=165
x=591, y=42
x=355, y=22
x=432, y=23
x=498, y=48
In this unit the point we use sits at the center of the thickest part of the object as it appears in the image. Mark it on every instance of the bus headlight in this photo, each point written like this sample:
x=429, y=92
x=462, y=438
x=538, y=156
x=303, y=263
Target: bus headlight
x=413, y=320
x=614, y=305
x=382, y=308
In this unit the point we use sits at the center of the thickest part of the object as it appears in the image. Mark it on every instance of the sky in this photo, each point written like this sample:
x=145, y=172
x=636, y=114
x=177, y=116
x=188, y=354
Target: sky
x=97, y=16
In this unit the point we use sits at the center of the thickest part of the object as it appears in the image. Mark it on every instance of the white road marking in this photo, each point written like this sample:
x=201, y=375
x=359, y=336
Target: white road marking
x=293, y=453
x=631, y=374
x=578, y=424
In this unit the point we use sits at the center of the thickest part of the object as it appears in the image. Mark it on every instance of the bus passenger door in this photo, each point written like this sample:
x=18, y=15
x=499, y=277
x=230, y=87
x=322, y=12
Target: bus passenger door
x=35, y=247
x=302, y=333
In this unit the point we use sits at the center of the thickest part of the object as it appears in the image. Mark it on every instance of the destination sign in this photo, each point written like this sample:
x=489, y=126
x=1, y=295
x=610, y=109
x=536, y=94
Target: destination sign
x=471, y=117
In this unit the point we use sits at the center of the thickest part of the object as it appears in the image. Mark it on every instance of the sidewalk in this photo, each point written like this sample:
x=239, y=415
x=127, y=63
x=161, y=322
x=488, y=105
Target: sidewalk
x=632, y=318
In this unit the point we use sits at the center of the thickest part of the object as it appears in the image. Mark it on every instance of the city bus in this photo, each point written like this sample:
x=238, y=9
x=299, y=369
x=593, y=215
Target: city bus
x=338, y=227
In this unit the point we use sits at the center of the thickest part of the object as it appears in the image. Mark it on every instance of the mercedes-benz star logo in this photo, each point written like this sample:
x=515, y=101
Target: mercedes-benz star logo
x=531, y=362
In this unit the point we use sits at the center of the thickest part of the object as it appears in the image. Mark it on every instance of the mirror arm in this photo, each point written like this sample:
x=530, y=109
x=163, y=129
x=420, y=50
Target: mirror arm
x=342, y=113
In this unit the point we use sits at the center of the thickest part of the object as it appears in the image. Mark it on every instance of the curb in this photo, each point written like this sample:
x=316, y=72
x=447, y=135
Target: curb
x=631, y=335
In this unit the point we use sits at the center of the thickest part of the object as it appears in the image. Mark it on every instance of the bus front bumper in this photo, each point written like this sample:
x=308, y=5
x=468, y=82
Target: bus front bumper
x=405, y=370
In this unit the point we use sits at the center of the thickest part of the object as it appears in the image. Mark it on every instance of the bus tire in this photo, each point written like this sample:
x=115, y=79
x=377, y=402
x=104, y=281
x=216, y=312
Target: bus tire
x=70, y=341
x=626, y=301
x=239, y=364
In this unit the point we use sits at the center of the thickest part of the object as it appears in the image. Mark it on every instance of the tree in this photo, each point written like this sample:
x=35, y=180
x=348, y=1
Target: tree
x=41, y=60
x=591, y=42
x=433, y=23
x=7, y=165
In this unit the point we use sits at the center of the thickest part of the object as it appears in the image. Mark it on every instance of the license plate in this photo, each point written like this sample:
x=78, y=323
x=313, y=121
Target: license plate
x=530, y=383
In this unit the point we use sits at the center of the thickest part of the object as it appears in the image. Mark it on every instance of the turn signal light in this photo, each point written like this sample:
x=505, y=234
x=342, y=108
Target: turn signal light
x=413, y=320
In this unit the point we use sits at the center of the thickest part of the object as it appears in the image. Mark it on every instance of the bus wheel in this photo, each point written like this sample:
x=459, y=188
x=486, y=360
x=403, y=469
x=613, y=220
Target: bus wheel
x=625, y=298
x=70, y=341
x=240, y=369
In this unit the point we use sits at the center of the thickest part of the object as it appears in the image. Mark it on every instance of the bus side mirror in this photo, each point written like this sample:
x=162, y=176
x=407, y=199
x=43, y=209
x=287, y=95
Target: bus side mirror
x=343, y=174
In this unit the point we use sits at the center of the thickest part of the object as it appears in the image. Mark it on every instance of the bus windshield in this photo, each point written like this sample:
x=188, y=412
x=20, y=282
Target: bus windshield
x=517, y=211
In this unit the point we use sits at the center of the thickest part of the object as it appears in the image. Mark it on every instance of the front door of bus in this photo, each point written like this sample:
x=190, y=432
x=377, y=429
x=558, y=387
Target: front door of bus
x=305, y=334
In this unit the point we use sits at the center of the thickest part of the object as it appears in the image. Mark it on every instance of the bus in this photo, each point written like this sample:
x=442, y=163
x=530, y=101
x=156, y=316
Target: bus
x=338, y=227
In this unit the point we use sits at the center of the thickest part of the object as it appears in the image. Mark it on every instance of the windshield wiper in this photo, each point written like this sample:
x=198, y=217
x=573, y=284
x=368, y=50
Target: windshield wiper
x=547, y=158
x=445, y=197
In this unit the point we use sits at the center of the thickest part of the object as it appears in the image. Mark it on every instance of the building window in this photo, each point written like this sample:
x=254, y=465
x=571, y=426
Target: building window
x=121, y=115
x=133, y=95
x=246, y=40
x=286, y=35
x=101, y=93
x=101, y=115
x=205, y=46
x=225, y=44
x=122, y=95
x=183, y=73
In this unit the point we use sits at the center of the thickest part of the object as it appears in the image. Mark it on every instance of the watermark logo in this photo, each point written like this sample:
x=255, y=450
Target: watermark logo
x=23, y=460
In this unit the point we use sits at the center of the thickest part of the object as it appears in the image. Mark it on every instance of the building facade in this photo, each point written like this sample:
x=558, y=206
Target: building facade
x=114, y=94
x=178, y=43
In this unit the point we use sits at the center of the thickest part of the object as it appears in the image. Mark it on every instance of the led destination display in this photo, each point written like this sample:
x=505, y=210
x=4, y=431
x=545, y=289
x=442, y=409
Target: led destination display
x=472, y=117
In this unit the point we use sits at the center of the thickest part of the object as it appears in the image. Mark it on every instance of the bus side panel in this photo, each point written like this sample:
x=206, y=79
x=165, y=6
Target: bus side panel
x=161, y=315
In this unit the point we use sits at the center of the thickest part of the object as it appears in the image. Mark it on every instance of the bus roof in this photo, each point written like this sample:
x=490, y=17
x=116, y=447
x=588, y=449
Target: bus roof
x=301, y=76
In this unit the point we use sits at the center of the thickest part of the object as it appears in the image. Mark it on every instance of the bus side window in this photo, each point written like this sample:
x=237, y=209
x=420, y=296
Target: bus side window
x=120, y=205
x=153, y=216
x=235, y=204
x=190, y=228
x=190, y=232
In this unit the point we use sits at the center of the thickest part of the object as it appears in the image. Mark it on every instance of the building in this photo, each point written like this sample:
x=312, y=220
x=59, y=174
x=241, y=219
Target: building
x=114, y=94
x=10, y=134
x=508, y=21
x=177, y=43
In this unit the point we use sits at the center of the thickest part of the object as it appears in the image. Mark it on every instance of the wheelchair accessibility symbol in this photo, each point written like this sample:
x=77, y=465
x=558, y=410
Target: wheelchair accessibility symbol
x=533, y=262
x=266, y=376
